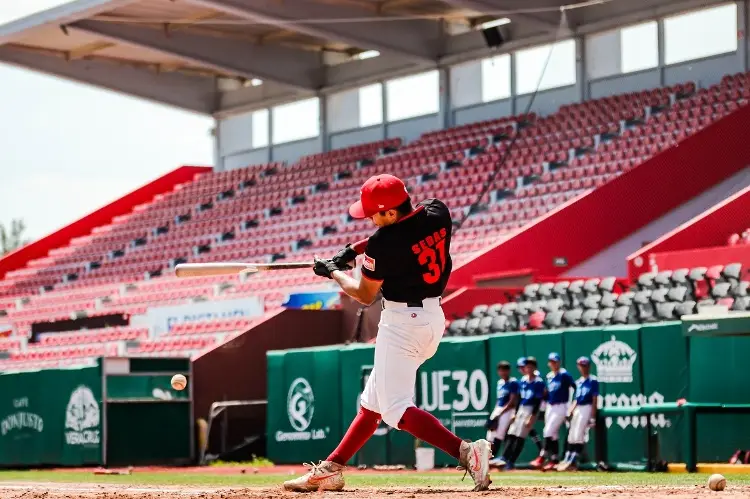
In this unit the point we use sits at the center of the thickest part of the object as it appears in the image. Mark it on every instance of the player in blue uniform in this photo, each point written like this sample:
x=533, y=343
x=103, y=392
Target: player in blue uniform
x=559, y=386
x=531, y=395
x=582, y=413
x=507, y=401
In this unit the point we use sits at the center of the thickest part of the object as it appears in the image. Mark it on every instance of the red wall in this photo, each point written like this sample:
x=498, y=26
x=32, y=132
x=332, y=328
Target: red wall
x=709, y=229
x=703, y=257
x=85, y=225
x=589, y=224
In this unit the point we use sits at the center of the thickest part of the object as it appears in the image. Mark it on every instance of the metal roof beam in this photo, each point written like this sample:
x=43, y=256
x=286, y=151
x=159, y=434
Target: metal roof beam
x=295, y=68
x=62, y=14
x=496, y=9
x=191, y=92
x=414, y=39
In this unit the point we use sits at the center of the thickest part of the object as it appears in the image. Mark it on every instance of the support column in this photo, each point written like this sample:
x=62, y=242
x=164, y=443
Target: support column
x=445, y=111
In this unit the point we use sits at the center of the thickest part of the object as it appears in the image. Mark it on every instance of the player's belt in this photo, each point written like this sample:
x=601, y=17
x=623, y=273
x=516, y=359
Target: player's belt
x=411, y=304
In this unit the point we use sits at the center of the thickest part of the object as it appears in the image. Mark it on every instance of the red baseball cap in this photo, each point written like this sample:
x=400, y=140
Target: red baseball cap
x=379, y=193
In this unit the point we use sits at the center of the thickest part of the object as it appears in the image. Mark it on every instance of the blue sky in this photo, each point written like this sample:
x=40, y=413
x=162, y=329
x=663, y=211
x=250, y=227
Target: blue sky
x=67, y=148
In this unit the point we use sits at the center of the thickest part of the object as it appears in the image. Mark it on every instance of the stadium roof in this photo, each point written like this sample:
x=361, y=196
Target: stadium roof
x=223, y=56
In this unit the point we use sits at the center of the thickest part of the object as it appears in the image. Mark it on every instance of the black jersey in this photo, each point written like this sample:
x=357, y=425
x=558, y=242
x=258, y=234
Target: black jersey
x=412, y=256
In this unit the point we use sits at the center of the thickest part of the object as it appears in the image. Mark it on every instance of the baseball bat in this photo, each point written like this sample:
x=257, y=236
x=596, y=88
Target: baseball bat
x=229, y=268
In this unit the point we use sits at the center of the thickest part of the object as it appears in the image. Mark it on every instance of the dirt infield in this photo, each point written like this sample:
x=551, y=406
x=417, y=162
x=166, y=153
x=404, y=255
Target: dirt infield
x=36, y=490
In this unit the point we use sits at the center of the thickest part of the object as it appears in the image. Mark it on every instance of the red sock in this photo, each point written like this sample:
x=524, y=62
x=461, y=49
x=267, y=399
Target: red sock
x=359, y=432
x=425, y=426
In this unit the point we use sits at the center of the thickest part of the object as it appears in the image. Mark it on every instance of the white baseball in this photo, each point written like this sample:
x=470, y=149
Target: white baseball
x=179, y=382
x=717, y=482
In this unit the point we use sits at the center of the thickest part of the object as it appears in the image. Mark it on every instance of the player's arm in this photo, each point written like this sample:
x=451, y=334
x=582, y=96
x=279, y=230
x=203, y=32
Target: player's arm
x=364, y=291
x=594, y=399
x=512, y=402
x=345, y=257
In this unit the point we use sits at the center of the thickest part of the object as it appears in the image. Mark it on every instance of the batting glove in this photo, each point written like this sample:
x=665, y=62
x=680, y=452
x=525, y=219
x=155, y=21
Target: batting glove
x=343, y=258
x=324, y=268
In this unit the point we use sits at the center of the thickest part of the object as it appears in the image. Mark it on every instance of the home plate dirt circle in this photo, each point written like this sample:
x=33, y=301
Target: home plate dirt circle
x=45, y=490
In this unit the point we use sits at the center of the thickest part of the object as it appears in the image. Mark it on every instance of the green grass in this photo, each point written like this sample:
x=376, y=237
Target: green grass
x=249, y=479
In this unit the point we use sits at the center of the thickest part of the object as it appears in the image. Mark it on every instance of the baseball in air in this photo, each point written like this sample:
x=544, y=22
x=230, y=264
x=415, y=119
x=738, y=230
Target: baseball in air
x=717, y=482
x=179, y=382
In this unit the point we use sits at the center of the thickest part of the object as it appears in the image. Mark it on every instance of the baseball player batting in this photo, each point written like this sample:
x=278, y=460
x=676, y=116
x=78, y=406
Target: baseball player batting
x=559, y=385
x=582, y=414
x=408, y=260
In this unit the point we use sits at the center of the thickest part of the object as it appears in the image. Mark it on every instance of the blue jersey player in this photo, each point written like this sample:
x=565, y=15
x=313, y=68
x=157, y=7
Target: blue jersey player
x=531, y=395
x=560, y=384
x=582, y=413
x=507, y=401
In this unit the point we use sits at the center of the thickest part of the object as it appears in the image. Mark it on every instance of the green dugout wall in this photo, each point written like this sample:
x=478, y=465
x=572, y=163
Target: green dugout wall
x=112, y=412
x=636, y=365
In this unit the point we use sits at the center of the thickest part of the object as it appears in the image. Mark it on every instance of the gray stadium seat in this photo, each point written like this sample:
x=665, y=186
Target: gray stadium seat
x=554, y=304
x=678, y=293
x=646, y=280
x=622, y=315
x=531, y=290
x=561, y=291
x=537, y=305
x=457, y=327
x=685, y=308
x=589, y=317
x=645, y=308
x=608, y=284
x=545, y=289
x=679, y=276
x=741, y=304
x=553, y=319
x=500, y=324
x=472, y=326
x=609, y=300
x=573, y=317
x=659, y=295
x=665, y=311
x=485, y=324
x=732, y=272
x=626, y=298
x=707, y=302
x=591, y=286
x=605, y=316
x=494, y=310
x=479, y=311
x=720, y=290
x=663, y=279
x=575, y=291
x=742, y=289
x=592, y=302
x=509, y=309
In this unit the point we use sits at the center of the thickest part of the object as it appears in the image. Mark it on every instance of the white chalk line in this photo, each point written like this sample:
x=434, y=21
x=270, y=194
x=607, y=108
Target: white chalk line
x=62, y=487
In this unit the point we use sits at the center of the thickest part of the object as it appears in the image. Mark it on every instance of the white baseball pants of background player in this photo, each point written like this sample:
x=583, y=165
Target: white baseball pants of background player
x=503, y=423
x=407, y=337
x=579, y=424
x=518, y=427
x=554, y=417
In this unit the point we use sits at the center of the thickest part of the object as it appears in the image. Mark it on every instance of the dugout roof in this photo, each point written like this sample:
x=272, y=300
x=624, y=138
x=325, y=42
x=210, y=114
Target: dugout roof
x=210, y=56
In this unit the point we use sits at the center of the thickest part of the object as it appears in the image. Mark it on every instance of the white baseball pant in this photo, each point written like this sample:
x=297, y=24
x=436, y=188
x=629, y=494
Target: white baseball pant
x=554, y=417
x=503, y=423
x=579, y=424
x=518, y=427
x=407, y=337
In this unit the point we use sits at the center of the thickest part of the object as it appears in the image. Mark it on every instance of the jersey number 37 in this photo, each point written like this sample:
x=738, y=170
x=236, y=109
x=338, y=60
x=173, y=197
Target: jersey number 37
x=434, y=259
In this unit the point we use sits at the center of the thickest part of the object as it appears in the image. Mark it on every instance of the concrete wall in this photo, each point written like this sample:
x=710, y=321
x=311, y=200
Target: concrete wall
x=412, y=128
x=293, y=151
x=356, y=136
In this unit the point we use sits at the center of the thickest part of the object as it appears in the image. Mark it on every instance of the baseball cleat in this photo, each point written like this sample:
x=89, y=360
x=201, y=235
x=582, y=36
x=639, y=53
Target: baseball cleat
x=550, y=466
x=325, y=475
x=537, y=463
x=475, y=460
x=563, y=466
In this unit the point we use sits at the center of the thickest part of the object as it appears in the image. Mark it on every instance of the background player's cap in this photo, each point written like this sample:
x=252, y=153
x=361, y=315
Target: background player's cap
x=531, y=360
x=554, y=356
x=521, y=362
x=503, y=364
x=379, y=193
x=584, y=361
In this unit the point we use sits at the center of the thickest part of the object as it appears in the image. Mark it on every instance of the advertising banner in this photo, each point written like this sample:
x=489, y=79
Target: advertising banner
x=315, y=300
x=161, y=319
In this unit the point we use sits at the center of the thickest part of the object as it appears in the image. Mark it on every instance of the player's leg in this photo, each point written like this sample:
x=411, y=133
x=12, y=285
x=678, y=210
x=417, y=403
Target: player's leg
x=405, y=348
x=553, y=420
x=328, y=474
x=500, y=434
x=576, y=436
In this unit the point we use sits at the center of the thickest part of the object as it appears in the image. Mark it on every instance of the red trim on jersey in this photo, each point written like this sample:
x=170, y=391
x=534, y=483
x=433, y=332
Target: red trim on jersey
x=419, y=208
